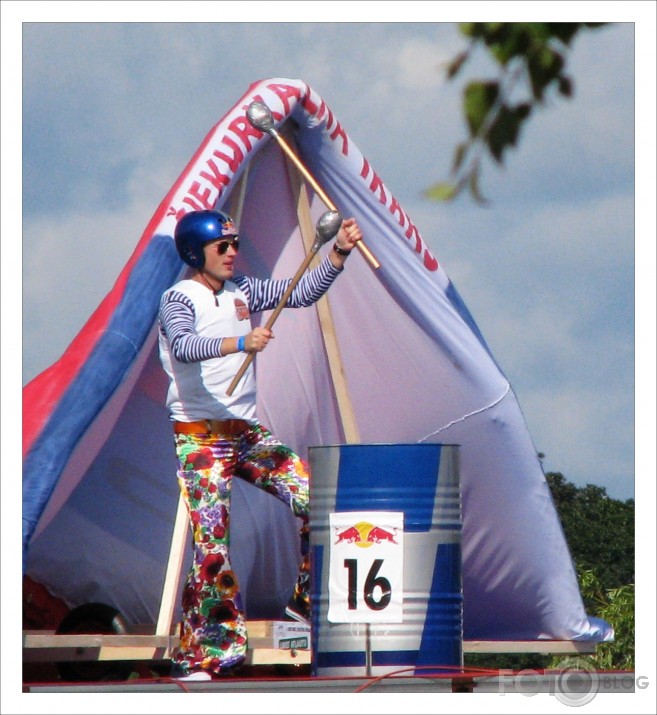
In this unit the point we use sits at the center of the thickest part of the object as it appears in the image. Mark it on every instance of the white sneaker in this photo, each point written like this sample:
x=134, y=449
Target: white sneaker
x=197, y=675
x=292, y=613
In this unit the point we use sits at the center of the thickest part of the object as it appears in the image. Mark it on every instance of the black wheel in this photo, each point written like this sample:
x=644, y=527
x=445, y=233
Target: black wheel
x=88, y=619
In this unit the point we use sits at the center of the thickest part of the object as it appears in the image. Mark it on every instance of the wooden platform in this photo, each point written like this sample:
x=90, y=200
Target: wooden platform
x=47, y=646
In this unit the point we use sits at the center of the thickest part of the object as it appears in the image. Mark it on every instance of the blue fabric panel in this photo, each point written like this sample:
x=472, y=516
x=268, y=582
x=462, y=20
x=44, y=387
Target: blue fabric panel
x=399, y=477
x=104, y=370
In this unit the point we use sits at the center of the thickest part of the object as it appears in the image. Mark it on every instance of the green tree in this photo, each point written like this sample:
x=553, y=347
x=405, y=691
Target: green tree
x=531, y=57
x=616, y=606
x=599, y=530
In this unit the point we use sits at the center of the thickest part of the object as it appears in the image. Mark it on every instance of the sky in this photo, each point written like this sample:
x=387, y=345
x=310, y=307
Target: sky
x=112, y=112
x=113, y=99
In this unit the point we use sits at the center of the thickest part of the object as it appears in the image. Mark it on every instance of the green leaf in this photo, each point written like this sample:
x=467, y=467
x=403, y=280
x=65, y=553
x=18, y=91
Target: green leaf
x=536, y=32
x=544, y=66
x=473, y=184
x=564, y=31
x=494, y=33
x=459, y=155
x=513, y=40
x=565, y=86
x=472, y=29
x=523, y=110
x=478, y=100
x=505, y=129
x=442, y=191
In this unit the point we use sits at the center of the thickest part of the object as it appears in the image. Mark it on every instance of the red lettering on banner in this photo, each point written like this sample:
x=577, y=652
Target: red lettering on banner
x=377, y=187
x=339, y=132
x=242, y=128
x=396, y=210
x=216, y=178
x=284, y=92
x=196, y=192
x=201, y=195
x=412, y=231
x=320, y=110
x=187, y=200
x=329, y=118
x=308, y=104
x=430, y=262
x=233, y=161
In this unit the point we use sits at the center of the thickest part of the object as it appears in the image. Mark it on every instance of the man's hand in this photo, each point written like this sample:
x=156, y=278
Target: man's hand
x=256, y=341
x=349, y=234
x=347, y=237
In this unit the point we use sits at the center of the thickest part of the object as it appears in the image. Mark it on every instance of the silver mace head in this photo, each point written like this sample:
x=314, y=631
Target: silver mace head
x=259, y=115
x=327, y=226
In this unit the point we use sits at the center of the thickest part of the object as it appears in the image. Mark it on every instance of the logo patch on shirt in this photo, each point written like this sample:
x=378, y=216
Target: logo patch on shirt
x=241, y=309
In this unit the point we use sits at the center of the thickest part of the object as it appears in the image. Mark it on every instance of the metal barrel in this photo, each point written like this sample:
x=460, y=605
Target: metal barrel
x=422, y=481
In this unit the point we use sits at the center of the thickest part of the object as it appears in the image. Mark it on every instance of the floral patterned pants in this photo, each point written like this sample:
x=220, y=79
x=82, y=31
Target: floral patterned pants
x=213, y=632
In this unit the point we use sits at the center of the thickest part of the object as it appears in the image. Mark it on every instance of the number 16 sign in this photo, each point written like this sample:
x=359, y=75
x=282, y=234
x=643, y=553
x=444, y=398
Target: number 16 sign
x=366, y=567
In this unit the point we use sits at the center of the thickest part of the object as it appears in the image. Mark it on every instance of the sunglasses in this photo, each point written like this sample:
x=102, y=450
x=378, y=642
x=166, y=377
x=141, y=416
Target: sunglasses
x=222, y=246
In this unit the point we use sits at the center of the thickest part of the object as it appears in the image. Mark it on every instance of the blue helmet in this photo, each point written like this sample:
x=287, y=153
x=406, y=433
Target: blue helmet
x=197, y=228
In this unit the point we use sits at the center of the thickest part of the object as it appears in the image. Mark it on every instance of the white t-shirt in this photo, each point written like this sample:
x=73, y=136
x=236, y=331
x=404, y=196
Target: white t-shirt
x=204, y=383
x=197, y=321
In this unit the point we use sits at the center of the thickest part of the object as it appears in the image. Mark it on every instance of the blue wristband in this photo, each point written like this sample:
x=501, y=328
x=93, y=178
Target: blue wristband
x=240, y=344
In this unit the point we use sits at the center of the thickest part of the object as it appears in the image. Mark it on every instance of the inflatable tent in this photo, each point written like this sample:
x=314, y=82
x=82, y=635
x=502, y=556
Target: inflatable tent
x=390, y=355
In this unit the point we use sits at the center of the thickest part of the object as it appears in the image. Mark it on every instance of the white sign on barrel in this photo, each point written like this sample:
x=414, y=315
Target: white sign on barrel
x=366, y=567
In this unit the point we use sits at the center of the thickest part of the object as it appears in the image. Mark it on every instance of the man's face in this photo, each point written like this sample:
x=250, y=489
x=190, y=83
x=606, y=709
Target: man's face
x=220, y=256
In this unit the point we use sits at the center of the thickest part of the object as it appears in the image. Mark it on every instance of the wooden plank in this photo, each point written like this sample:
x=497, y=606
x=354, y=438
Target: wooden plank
x=56, y=655
x=48, y=646
x=260, y=629
x=95, y=640
x=276, y=656
x=338, y=377
x=545, y=647
x=174, y=566
x=258, y=655
x=292, y=156
x=238, y=195
x=261, y=634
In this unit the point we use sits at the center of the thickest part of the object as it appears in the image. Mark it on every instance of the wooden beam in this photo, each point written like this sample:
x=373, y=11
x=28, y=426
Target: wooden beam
x=275, y=656
x=238, y=195
x=545, y=647
x=338, y=377
x=47, y=646
x=174, y=566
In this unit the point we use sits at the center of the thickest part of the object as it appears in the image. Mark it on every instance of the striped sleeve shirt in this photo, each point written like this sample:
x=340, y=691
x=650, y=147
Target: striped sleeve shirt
x=177, y=314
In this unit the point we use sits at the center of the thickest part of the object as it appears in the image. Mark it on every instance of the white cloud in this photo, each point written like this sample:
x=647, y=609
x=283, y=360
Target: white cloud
x=421, y=64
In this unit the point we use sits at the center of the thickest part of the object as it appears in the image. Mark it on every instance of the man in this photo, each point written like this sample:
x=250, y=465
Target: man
x=205, y=328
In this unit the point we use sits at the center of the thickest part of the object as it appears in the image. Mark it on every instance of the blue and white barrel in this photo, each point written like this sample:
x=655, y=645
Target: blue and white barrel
x=419, y=484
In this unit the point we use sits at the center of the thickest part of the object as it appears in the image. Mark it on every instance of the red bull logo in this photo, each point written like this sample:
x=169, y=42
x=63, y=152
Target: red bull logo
x=364, y=534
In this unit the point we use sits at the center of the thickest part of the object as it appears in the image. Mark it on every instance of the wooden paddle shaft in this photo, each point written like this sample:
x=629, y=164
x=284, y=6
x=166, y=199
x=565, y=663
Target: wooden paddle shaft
x=371, y=258
x=276, y=312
